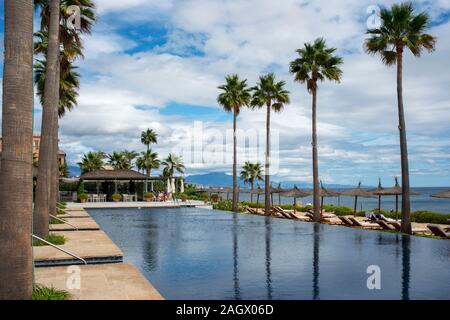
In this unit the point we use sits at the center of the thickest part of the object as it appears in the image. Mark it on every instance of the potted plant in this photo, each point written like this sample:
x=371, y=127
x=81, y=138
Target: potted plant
x=82, y=197
x=116, y=197
x=215, y=198
x=183, y=197
x=148, y=196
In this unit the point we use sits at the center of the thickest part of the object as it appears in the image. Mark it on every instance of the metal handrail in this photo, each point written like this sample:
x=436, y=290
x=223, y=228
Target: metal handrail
x=62, y=220
x=61, y=249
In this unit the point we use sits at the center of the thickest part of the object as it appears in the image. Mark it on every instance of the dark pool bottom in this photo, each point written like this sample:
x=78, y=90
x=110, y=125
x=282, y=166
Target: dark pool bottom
x=203, y=254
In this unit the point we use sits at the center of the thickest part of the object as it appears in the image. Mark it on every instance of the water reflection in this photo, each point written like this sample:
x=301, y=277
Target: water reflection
x=237, y=290
x=316, y=243
x=406, y=266
x=268, y=224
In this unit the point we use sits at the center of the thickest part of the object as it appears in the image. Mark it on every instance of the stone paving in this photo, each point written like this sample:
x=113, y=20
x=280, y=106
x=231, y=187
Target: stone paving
x=85, y=244
x=118, y=281
x=75, y=224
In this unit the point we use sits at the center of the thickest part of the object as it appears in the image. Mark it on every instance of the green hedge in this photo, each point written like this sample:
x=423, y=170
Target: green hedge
x=226, y=205
x=429, y=217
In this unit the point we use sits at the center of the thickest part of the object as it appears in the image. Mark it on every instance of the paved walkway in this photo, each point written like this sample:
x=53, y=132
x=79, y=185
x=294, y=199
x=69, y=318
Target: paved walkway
x=89, y=245
x=76, y=224
x=118, y=281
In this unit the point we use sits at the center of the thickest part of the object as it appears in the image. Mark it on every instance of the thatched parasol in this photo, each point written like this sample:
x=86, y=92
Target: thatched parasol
x=258, y=191
x=396, y=191
x=378, y=192
x=278, y=190
x=356, y=192
x=325, y=193
x=297, y=193
x=442, y=195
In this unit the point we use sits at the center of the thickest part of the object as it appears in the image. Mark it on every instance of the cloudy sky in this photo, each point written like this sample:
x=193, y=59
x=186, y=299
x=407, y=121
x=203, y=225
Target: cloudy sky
x=157, y=64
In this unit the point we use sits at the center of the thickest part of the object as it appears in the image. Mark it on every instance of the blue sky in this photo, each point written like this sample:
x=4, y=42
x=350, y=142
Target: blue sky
x=157, y=64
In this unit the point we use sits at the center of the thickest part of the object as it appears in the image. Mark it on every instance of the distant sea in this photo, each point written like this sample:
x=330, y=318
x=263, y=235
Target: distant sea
x=420, y=202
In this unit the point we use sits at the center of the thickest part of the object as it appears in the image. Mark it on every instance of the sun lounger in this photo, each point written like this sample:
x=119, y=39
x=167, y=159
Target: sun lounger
x=252, y=210
x=328, y=215
x=439, y=231
x=396, y=225
x=285, y=214
x=357, y=223
x=387, y=219
x=346, y=221
x=386, y=226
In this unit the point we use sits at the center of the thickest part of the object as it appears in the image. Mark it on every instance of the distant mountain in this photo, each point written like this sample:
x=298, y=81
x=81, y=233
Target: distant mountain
x=74, y=171
x=221, y=179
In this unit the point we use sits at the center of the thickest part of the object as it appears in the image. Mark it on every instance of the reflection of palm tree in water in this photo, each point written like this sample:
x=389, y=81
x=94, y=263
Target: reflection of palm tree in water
x=268, y=258
x=406, y=266
x=316, y=262
x=237, y=290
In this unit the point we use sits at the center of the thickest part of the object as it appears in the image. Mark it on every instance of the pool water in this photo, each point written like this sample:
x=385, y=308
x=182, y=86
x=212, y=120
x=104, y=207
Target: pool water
x=192, y=253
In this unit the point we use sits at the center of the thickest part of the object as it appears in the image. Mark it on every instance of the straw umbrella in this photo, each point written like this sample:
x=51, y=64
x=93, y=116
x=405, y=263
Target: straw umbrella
x=357, y=192
x=378, y=192
x=396, y=191
x=258, y=191
x=442, y=195
x=278, y=190
x=325, y=193
x=297, y=193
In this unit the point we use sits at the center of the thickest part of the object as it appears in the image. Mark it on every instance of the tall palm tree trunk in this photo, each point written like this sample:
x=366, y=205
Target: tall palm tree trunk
x=235, y=191
x=252, y=189
x=267, y=165
x=406, y=207
x=16, y=177
x=316, y=192
x=50, y=111
x=55, y=166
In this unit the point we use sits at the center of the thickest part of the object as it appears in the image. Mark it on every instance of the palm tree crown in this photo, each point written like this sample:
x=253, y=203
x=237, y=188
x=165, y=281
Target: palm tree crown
x=148, y=137
x=316, y=62
x=235, y=94
x=270, y=92
x=148, y=160
x=401, y=27
x=92, y=161
x=118, y=161
x=251, y=172
x=173, y=163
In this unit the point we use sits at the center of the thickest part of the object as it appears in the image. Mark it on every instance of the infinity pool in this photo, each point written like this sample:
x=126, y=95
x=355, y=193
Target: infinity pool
x=204, y=254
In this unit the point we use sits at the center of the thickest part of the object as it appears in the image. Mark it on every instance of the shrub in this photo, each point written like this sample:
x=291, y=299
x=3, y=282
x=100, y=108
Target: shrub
x=55, y=221
x=52, y=238
x=226, y=205
x=183, y=196
x=116, y=197
x=429, y=217
x=44, y=293
x=343, y=211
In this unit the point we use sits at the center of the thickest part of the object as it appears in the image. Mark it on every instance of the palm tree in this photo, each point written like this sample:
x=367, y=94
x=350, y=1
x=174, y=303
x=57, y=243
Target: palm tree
x=173, y=163
x=71, y=48
x=92, y=161
x=17, y=160
x=235, y=95
x=148, y=137
x=118, y=161
x=316, y=62
x=64, y=170
x=49, y=117
x=148, y=161
x=270, y=93
x=251, y=172
x=402, y=28
x=130, y=156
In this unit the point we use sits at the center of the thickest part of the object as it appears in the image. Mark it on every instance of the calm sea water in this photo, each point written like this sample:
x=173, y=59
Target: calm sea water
x=420, y=202
x=195, y=253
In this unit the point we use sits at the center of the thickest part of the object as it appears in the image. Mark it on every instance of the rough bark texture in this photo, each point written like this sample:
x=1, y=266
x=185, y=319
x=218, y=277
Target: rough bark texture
x=235, y=190
x=16, y=178
x=316, y=190
x=49, y=112
x=406, y=207
x=267, y=165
